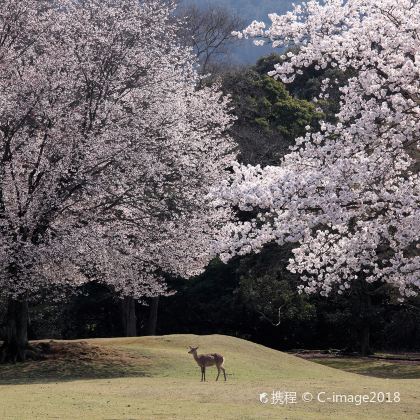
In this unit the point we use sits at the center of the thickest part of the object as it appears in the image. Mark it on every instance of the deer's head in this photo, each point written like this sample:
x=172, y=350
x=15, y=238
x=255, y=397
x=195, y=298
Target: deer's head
x=193, y=350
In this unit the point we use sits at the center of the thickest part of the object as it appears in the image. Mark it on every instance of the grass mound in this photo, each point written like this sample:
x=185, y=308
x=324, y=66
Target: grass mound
x=65, y=360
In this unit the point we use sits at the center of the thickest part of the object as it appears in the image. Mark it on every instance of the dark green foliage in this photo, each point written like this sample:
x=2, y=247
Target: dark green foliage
x=94, y=312
x=206, y=304
x=266, y=286
x=269, y=118
x=402, y=328
x=307, y=86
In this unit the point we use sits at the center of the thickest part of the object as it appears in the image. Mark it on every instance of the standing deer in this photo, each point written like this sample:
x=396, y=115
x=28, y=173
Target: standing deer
x=206, y=360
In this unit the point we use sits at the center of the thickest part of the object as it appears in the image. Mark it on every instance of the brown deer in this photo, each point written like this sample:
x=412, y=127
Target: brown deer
x=206, y=360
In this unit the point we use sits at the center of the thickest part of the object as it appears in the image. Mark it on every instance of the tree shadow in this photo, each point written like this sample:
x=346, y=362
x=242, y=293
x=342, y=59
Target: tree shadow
x=387, y=369
x=75, y=361
x=393, y=371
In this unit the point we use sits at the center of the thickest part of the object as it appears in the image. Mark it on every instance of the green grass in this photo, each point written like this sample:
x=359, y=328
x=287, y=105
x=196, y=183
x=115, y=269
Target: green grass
x=155, y=378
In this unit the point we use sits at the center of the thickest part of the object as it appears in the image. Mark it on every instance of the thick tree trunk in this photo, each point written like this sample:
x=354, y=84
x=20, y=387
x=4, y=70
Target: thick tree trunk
x=16, y=333
x=153, y=314
x=129, y=318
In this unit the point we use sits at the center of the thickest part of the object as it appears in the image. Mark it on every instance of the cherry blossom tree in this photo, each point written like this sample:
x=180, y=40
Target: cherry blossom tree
x=107, y=152
x=348, y=194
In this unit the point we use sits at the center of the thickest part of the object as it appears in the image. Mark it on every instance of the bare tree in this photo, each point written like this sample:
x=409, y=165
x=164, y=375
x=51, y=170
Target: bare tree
x=209, y=31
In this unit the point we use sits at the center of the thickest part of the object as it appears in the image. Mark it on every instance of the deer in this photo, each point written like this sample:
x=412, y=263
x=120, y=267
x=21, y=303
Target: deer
x=207, y=360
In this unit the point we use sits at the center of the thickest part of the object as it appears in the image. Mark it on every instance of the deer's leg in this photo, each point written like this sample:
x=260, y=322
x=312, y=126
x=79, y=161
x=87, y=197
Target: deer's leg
x=202, y=373
x=218, y=372
x=224, y=372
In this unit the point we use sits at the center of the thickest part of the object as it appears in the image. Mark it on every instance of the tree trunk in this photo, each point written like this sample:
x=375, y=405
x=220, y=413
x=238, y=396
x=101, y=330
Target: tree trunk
x=129, y=318
x=151, y=327
x=365, y=340
x=365, y=317
x=16, y=332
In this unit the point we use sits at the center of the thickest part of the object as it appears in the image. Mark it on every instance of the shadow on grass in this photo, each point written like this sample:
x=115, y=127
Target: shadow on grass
x=379, y=369
x=74, y=361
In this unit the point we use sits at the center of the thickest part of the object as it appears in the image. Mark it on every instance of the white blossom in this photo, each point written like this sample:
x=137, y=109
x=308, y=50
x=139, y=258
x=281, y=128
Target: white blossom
x=108, y=149
x=349, y=194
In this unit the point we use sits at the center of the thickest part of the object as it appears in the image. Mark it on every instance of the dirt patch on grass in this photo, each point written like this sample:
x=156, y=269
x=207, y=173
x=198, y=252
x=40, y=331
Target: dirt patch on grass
x=81, y=351
x=65, y=361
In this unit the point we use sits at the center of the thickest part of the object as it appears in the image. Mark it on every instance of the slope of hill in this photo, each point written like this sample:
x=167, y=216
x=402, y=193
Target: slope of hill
x=154, y=377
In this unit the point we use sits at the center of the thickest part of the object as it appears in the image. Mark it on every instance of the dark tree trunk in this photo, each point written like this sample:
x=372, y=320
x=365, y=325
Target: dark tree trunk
x=365, y=340
x=153, y=314
x=129, y=318
x=16, y=332
x=365, y=318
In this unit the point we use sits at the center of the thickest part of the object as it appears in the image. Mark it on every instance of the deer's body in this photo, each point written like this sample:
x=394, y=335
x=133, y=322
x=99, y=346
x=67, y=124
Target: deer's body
x=207, y=360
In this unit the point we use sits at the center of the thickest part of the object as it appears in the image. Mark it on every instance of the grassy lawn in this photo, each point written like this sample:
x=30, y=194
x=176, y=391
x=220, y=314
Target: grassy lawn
x=155, y=378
